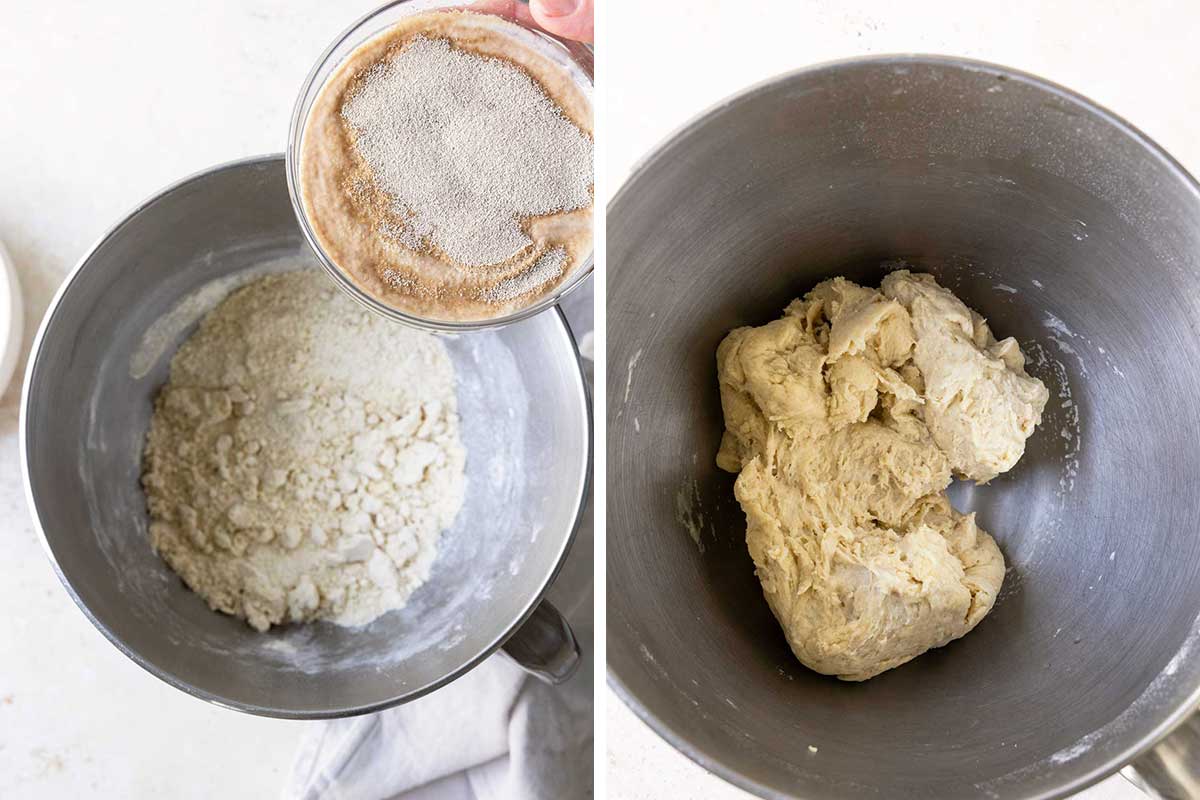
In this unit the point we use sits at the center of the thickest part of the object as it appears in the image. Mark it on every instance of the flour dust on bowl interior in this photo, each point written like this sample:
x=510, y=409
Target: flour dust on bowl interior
x=1065, y=228
x=88, y=400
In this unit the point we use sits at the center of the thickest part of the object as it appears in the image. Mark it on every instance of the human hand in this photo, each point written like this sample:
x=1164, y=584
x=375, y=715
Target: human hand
x=569, y=19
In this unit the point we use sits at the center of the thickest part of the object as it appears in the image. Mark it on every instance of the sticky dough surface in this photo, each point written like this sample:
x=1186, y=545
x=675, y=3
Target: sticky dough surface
x=846, y=420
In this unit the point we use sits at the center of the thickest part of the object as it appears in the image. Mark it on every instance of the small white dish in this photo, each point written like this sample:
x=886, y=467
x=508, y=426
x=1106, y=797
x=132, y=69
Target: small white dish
x=12, y=319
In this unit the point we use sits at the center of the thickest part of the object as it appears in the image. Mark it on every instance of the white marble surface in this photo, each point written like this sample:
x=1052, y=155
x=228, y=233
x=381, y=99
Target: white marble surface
x=104, y=103
x=671, y=59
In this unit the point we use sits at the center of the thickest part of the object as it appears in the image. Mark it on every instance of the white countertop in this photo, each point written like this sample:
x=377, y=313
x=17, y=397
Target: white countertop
x=669, y=60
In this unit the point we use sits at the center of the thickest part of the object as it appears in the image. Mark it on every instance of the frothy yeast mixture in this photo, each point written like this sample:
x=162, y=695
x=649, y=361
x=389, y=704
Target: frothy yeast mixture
x=446, y=168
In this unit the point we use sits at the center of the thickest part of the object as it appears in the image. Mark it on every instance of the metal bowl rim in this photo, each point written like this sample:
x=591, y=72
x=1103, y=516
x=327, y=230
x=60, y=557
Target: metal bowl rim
x=583, y=396
x=681, y=740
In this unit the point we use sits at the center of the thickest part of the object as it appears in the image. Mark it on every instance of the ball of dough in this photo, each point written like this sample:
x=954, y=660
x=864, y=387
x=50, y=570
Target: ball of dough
x=845, y=420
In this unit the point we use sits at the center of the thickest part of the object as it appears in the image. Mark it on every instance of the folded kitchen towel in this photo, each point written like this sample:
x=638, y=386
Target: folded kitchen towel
x=514, y=737
x=380, y=755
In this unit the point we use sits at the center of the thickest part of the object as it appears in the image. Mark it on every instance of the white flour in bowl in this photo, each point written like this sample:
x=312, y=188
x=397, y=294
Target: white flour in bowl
x=303, y=457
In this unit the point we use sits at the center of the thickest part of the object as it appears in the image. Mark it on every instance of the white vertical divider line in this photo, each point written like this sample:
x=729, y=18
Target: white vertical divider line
x=606, y=45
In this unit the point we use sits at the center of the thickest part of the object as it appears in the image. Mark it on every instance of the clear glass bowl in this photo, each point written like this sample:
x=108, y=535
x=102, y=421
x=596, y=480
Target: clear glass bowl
x=575, y=58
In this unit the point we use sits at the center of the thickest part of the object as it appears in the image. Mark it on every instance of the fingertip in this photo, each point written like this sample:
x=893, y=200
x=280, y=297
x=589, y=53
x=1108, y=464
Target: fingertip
x=570, y=19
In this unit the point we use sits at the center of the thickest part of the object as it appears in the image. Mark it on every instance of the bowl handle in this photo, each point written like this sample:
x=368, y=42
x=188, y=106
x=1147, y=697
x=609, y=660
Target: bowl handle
x=1172, y=769
x=545, y=646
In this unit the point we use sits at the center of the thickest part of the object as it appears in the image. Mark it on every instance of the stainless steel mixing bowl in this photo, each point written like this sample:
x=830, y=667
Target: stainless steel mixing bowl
x=86, y=407
x=1068, y=229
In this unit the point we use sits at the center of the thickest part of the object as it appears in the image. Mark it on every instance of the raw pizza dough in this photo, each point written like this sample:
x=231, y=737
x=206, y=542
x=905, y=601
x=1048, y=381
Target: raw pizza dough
x=846, y=420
